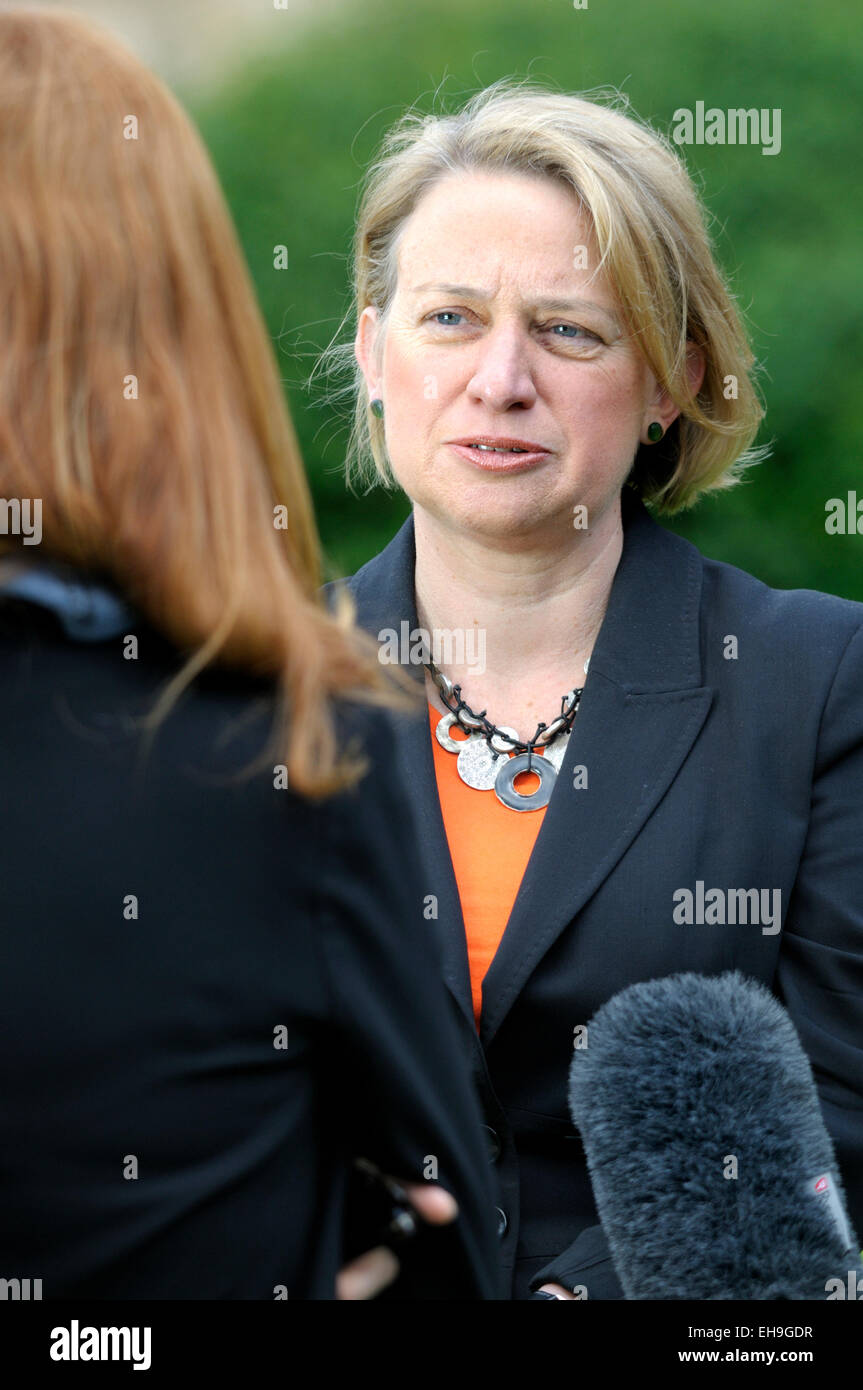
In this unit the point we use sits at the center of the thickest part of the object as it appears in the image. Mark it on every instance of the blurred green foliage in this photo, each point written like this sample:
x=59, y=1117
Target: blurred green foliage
x=291, y=135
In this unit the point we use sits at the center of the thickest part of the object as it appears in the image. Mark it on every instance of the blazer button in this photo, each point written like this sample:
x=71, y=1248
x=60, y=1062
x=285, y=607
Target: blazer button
x=493, y=1144
x=502, y=1222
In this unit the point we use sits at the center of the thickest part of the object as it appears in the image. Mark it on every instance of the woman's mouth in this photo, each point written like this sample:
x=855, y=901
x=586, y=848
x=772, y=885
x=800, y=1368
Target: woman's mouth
x=500, y=455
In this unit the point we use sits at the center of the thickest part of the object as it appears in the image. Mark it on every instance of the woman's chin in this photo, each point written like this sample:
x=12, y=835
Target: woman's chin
x=528, y=519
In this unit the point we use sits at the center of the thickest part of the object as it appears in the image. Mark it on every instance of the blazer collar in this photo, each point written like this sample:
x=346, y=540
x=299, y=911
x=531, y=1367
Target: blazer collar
x=88, y=609
x=641, y=711
x=649, y=639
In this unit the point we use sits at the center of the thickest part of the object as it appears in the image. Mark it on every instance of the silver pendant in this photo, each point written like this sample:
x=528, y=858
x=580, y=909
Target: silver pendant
x=486, y=763
x=504, y=740
x=504, y=786
x=477, y=765
x=442, y=734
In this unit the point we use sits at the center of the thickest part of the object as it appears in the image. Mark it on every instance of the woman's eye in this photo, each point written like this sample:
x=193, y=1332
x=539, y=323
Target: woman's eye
x=570, y=330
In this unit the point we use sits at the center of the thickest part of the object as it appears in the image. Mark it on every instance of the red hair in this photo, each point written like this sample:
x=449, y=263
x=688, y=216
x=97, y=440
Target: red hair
x=139, y=394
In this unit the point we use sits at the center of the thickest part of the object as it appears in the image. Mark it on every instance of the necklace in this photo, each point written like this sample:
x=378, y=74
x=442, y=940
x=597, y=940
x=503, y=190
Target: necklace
x=492, y=758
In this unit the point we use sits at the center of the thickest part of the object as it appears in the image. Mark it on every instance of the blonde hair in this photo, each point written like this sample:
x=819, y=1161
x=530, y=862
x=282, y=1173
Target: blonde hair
x=119, y=260
x=651, y=231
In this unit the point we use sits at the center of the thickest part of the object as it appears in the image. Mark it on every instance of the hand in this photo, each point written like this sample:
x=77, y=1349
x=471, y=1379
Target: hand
x=558, y=1290
x=367, y=1275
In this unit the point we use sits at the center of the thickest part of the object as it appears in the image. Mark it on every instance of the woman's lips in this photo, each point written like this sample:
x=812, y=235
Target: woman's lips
x=498, y=461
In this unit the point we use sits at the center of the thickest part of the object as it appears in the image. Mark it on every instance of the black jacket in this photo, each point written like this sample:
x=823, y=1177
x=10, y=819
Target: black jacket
x=166, y=930
x=735, y=763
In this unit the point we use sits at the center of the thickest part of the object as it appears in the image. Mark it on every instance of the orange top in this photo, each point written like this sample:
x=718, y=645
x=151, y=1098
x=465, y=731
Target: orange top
x=489, y=845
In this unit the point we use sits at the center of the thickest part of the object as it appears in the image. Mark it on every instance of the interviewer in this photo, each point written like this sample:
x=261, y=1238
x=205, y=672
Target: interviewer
x=217, y=986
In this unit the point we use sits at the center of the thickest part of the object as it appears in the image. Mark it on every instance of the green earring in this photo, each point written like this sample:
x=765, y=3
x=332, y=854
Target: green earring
x=655, y=432
x=377, y=406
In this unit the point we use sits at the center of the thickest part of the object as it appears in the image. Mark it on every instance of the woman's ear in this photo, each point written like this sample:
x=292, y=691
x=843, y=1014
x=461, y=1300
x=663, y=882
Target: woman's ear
x=364, y=348
x=662, y=407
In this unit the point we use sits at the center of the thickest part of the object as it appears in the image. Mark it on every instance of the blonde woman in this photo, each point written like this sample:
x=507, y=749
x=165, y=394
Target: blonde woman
x=633, y=760
x=212, y=996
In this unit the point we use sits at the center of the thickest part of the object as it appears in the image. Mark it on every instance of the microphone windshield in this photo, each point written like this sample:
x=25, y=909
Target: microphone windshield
x=713, y=1173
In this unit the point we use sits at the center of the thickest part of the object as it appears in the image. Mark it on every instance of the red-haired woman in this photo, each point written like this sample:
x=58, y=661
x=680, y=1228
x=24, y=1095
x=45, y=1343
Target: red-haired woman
x=217, y=985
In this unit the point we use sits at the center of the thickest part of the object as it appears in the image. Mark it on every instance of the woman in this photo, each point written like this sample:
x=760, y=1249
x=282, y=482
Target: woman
x=216, y=989
x=545, y=346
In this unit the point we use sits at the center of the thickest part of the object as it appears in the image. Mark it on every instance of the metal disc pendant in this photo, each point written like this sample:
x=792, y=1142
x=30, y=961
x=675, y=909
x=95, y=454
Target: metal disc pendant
x=442, y=734
x=504, y=740
x=556, y=752
x=477, y=765
x=504, y=786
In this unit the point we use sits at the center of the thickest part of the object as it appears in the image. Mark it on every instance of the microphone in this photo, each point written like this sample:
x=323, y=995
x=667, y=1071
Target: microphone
x=713, y=1173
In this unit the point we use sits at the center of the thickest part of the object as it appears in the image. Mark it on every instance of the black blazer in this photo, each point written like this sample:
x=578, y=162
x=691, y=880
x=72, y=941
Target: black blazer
x=160, y=924
x=739, y=772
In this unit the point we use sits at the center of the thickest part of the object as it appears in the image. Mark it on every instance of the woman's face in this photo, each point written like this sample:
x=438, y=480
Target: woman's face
x=500, y=331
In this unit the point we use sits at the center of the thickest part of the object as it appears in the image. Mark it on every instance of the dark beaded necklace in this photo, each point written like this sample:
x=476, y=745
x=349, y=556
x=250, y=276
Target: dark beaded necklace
x=484, y=760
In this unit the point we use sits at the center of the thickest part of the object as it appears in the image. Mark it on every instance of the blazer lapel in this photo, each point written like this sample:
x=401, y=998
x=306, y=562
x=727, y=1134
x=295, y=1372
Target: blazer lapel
x=384, y=594
x=641, y=711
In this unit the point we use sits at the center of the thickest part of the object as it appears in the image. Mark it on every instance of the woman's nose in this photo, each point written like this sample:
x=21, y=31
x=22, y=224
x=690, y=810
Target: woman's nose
x=502, y=375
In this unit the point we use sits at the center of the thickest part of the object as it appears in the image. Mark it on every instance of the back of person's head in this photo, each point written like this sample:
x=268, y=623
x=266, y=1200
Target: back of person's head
x=140, y=399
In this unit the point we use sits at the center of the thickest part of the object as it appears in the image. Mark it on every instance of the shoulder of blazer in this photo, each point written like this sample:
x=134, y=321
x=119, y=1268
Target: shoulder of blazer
x=71, y=623
x=683, y=588
x=785, y=624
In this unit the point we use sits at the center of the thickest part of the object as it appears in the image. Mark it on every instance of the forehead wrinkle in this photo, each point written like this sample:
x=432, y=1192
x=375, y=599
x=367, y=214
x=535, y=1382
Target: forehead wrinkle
x=545, y=303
